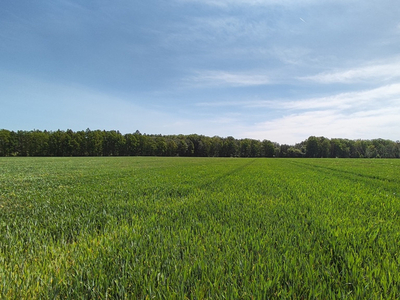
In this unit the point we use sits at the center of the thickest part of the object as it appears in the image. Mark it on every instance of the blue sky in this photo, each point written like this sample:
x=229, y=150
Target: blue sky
x=266, y=69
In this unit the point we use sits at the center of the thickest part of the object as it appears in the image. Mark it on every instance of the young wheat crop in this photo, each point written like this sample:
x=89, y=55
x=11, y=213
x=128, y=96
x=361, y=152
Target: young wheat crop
x=199, y=228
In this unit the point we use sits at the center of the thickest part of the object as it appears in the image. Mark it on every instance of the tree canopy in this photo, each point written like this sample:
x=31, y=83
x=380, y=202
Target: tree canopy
x=113, y=143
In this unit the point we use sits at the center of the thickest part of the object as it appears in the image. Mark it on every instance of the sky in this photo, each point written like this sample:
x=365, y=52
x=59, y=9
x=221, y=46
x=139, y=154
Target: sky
x=281, y=70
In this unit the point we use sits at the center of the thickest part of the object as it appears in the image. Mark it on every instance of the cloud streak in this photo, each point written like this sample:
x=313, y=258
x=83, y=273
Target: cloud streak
x=364, y=114
x=388, y=94
x=383, y=71
x=228, y=79
x=385, y=95
x=381, y=123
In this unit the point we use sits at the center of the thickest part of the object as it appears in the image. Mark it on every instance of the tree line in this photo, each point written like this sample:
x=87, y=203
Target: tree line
x=113, y=143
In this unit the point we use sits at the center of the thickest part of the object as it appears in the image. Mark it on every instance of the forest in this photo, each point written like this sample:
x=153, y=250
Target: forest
x=113, y=143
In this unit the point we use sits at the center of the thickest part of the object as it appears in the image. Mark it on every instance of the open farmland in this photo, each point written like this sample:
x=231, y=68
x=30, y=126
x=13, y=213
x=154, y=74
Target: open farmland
x=199, y=228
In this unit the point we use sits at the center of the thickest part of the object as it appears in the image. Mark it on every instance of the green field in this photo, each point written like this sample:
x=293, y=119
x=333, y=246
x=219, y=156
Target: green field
x=199, y=228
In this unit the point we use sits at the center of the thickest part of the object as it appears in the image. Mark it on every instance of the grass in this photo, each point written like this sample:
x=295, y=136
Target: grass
x=199, y=228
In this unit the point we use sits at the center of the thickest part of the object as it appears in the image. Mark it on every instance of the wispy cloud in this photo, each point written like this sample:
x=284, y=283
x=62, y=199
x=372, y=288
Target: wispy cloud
x=230, y=79
x=385, y=95
x=381, y=71
x=381, y=123
x=360, y=99
x=363, y=114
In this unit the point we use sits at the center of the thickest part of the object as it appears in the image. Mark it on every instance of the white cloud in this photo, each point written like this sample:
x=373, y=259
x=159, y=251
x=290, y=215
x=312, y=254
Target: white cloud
x=294, y=128
x=364, y=114
x=232, y=79
x=382, y=96
x=381, y=71
x=354, y=100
